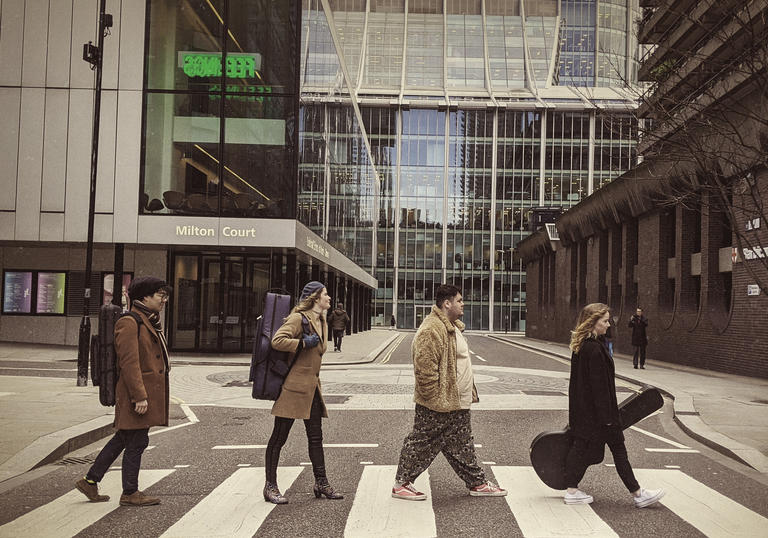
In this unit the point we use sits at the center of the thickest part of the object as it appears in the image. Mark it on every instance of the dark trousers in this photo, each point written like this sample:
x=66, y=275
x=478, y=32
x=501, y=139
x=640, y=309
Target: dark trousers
x=434, y=432
x=639, y=350
x=314, y=428
x=578, y=458
x=338, y=335
x=132, y=443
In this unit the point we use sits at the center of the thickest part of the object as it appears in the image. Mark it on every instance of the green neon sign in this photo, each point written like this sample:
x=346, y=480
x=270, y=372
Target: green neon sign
x=208, y=64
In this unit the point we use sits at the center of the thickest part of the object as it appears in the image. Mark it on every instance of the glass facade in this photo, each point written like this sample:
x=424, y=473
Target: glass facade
x=220, y=104
x=430, y=129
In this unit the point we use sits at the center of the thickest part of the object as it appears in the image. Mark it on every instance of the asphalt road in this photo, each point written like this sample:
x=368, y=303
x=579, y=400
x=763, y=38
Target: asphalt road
x=211, y=469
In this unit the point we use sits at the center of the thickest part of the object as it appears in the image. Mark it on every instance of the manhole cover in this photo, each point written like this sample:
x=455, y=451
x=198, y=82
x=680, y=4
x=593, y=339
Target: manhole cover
x=76, y=461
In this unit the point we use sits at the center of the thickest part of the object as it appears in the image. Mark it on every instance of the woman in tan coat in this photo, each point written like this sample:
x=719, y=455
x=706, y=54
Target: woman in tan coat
x=305, y=333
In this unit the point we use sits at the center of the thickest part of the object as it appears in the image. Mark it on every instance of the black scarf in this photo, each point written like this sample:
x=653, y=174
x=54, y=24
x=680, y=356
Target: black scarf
x=154, y=319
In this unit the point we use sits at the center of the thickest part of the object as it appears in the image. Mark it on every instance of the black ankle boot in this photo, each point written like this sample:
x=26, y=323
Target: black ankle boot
x=273, y=495
x=322, y=487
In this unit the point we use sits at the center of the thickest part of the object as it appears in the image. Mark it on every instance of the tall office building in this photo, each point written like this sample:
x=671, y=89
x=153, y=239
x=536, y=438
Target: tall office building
x=429, y=130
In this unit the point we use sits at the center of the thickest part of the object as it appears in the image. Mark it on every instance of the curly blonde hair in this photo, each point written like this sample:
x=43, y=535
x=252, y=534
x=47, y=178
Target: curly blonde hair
x=585, y=325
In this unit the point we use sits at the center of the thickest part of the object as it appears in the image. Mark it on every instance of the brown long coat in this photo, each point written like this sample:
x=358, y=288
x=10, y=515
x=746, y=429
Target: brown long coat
x=295, y=400
x=143, y=375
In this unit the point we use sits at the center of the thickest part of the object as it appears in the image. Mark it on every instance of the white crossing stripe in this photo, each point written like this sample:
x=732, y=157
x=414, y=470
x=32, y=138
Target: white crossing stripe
x=236, y=508
x=376, y=513
x=325, y=445
x=540, y=511
x=674, y=450
x=658, y=437
x=72, y=512
x=712, y=513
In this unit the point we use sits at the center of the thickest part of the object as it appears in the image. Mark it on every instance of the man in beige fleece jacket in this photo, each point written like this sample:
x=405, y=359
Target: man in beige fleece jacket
x=444, y=391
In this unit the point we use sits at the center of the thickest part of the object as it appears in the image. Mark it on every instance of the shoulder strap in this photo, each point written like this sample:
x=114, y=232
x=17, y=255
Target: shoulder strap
x=137, y=319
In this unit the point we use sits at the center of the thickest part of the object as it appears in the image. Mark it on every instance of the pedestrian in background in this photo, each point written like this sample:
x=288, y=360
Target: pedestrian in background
x=444, y=391
x=609, y=339
x=593, y=412
x=301, y=397
x=638, y=323
x=338, y=321
x=141, y=395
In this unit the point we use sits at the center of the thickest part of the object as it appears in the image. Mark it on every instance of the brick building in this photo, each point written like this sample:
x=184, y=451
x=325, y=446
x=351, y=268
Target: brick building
x=684, y=233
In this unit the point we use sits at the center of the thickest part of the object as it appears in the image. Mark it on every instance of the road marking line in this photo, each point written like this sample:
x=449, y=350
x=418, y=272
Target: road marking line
x=375, y=513
x=181, y=466
x=479, y=357
x=711, y=512
x=71, y=513
x=325, y=445
x=478, y=445
x=674, y=450
x=672, y=466
x=150, y=447
x=488, y=463
x=397, y=343
x=243, y=464
x=560, y=360
x=658, y=437
x=235, y=508
x=366, y=463
x=540, y=510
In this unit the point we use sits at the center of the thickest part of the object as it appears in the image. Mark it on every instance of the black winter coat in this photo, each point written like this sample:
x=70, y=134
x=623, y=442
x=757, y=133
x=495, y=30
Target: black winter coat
x=593, y=412
x=638, y=325
x=338, y=320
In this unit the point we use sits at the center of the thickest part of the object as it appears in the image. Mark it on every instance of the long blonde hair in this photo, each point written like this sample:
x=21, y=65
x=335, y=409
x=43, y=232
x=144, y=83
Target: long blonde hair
x=585, y=325
x=308, y=303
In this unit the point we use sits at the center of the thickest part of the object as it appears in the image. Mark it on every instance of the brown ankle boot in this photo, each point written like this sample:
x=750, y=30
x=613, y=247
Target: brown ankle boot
x=91, y=491
x=272, y=494
x=324, y=488
x=138, y=498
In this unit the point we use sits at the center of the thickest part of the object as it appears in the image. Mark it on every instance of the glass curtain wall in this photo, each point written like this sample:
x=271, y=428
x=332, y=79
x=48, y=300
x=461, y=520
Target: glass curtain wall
x=504, y=32
x=566, y=159
x=517, y=187
x=577, y=46
x=612, y=43
x=220, y=108
x=615, y=146
x=468, y=197
x=421, y=219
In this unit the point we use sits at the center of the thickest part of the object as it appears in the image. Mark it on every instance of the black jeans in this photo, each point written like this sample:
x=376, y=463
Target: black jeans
x=338, y=334
x=639, y=350
x=280, y=432
x=133, y=442
x=578, y=460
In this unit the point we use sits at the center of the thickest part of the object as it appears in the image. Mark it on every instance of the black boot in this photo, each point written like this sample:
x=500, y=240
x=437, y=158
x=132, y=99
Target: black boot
x=322, y=487
x=273, y=495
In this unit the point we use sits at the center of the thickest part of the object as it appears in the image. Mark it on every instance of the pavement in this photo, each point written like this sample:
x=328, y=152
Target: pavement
x=43, y=418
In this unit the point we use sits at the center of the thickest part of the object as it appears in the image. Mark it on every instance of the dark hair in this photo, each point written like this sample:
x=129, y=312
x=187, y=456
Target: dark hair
x=445, y=292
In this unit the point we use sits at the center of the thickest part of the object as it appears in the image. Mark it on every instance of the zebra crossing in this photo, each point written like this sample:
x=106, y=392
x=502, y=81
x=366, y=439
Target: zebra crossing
x=236, y=508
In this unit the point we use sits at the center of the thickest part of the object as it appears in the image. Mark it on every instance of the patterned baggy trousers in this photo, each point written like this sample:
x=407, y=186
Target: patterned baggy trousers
x=434, y=432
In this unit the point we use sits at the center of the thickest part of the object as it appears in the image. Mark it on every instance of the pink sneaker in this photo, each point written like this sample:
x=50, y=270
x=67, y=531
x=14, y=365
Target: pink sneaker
x=489, y=489
x=408, y=492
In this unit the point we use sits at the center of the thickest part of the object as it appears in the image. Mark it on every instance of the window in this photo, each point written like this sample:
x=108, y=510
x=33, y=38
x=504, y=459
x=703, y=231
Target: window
x=220, y=108
x=45, y=290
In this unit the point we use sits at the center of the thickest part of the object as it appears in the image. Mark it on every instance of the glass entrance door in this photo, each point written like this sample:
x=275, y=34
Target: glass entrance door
x=229, y=298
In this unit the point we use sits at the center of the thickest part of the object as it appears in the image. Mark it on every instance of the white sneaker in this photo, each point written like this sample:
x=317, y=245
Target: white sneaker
x=648, y=497
x=577, y=497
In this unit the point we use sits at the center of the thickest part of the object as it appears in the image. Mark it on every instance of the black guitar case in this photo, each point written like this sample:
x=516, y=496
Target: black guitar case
x=549, y=449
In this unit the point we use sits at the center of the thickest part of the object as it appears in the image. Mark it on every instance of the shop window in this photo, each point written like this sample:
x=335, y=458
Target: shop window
x=690, y=258
x=630, y=265
x=667, y=261
x=719, y=261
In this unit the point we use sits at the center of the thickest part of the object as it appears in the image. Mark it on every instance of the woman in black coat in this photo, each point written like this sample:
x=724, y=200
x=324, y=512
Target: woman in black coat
x=593, y=412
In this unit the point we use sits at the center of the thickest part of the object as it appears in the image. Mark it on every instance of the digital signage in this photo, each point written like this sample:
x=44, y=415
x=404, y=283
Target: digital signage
x=51, y=290
x=17, y=292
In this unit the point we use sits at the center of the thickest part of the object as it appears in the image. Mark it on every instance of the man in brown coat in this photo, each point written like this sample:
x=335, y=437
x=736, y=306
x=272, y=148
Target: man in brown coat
x=141, y=395
x=444, y=391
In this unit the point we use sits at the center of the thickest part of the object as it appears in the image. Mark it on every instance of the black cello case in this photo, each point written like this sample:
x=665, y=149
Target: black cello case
x=105, y=362
x=550, y=449
x=269, y=366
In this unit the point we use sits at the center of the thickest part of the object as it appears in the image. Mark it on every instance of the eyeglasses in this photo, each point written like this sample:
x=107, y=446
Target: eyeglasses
x=163, y=296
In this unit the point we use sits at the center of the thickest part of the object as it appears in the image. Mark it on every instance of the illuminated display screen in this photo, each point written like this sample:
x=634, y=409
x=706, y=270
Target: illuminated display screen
x=17, y=292
x=208, y=64
x=51, y=289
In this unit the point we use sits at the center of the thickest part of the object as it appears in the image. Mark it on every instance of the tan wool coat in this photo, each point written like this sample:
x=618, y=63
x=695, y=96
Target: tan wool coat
x=295, y=400
x=143, y=375
x=434, y=363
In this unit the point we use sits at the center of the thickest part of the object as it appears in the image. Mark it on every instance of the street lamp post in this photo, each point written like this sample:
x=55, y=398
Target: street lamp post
x=94, y=56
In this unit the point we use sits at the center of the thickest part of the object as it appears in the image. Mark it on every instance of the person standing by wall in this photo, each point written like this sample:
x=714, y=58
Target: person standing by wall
x=638, y=323
x=141, y=395
x=301, y=397
x=444, y=391
x=593, y=412
x=338, y=321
